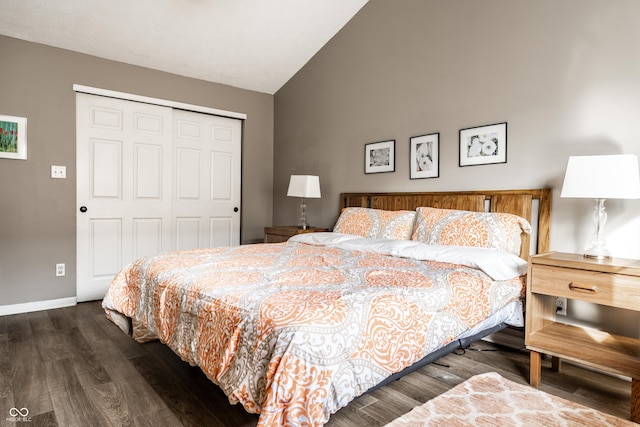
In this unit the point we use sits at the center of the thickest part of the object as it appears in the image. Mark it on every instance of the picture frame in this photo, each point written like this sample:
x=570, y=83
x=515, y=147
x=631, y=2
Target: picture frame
x=483, y=145
x=380, y=157
x=13, y=137
x=424, y=156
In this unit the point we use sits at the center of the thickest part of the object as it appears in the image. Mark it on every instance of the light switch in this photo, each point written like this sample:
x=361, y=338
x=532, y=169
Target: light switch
x=58, y=171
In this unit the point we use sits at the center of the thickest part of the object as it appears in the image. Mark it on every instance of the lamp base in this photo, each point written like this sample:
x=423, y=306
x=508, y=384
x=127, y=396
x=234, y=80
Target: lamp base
x=597, y=253
x=302, y=223
x=599, y=242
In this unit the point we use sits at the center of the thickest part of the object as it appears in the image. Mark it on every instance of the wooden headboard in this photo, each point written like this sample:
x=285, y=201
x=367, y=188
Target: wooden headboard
x=533, y=205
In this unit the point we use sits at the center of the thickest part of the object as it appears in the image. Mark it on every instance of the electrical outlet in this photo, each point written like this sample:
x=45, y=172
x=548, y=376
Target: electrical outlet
x=59, y=270
x=561, y=306
x=58, y=172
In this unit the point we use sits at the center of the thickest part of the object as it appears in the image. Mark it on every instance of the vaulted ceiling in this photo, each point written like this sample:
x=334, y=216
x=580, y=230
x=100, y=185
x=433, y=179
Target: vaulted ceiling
x=251, y=44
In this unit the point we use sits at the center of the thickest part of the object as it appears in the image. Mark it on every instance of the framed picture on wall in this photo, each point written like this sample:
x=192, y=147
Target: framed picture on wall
x=380, y=157
x=483, y=145
x=13, y=137
x=424, y=156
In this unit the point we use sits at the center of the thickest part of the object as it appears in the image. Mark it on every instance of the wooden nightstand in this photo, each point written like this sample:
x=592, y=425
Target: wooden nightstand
x=614, y=283
x=282, y=234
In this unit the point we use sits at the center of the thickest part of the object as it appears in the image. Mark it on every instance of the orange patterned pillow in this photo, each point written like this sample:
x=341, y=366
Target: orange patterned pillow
x=465, y=228
x=376, y=223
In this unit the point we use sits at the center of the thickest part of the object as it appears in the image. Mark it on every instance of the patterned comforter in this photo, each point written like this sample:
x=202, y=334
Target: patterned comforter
x=294, y=331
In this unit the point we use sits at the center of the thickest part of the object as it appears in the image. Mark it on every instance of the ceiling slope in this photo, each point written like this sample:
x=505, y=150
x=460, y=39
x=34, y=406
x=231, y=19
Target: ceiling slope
x=251, y=44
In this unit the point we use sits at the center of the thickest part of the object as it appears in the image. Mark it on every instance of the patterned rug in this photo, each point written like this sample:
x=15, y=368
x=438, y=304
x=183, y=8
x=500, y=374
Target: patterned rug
x=491, y=400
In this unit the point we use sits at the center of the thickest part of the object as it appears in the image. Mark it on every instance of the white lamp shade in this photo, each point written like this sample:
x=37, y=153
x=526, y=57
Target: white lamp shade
x=602, y=177
x=307, y=186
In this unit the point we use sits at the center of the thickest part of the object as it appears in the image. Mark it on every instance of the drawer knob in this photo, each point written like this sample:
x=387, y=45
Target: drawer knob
x=578, y=288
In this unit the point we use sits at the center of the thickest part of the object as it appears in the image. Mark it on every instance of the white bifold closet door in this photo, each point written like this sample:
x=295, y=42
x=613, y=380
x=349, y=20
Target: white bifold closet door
x=150, y=179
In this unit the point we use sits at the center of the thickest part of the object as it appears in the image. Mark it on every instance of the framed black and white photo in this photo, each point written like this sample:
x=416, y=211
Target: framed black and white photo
x=424, y=156
x=13, y=137
x=483, y=145
x=380, y=157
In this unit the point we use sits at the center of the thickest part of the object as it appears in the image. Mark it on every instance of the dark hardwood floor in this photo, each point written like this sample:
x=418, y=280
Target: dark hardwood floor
x=73, y=367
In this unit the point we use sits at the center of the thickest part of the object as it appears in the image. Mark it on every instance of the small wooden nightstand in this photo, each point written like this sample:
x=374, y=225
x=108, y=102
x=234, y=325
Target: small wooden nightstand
x=614, y=283
x=282, y=234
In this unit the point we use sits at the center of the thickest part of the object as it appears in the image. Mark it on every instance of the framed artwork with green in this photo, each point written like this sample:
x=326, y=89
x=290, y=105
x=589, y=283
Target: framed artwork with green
x=13, y=137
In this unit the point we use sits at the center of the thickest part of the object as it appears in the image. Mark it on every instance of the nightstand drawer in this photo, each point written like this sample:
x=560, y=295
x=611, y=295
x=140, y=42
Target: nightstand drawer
x=615, y=290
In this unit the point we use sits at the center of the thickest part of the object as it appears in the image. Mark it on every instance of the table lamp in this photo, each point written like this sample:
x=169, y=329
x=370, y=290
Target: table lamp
x=601, y=177
x=304, y=186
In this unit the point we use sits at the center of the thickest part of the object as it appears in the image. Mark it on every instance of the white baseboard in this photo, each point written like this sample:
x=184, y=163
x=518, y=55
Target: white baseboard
x=27, y=307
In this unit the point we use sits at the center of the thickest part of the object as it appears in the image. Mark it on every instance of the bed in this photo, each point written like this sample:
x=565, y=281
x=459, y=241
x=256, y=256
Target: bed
x=294, y=331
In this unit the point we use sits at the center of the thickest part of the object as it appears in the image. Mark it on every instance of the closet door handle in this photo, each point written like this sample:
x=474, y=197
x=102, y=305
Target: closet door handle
x=236, y=209
x=83, y=209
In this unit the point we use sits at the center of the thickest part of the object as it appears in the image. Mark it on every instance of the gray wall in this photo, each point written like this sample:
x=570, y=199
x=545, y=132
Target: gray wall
x=564, y=74
x=37, y=213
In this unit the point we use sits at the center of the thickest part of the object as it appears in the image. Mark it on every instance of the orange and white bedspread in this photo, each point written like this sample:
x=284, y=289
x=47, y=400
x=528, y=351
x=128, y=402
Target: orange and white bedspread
x=294, y=331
